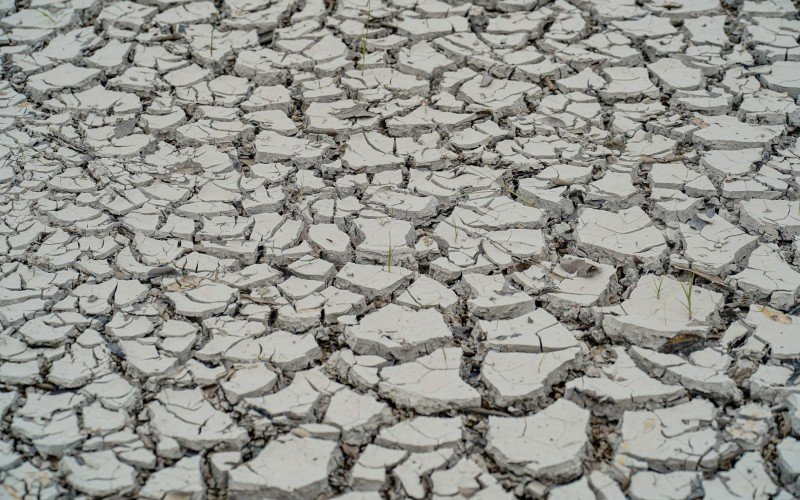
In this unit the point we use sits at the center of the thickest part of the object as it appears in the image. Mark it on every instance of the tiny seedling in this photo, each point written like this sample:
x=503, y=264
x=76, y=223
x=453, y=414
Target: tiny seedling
x=687, y=293
x=47, y=15
x=658, y=286
x=389, y=254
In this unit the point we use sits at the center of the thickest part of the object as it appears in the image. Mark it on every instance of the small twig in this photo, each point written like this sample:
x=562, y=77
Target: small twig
x=211, y=43
x=486, y=411
x=550, y=84
x=713, y=279
x=649, y=160
x=166, y=38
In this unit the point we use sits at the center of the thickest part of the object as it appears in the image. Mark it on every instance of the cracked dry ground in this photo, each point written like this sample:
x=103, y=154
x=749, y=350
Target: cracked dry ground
x=399, y=249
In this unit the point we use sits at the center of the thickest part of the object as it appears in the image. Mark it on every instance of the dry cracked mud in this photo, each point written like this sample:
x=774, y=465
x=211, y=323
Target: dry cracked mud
x=367, y=249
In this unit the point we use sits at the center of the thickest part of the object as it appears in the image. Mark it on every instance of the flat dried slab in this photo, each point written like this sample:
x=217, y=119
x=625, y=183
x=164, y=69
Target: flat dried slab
x=549, y=444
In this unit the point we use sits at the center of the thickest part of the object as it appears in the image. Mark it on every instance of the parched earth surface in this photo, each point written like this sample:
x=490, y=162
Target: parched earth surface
x=399, y=249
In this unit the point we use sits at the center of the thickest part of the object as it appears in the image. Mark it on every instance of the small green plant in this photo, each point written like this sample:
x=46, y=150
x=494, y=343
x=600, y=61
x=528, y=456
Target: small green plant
x=389, y=254
x=47, y=15
x=687, y=293
x=658, y=286
x=362, y=44
x=272, y=241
